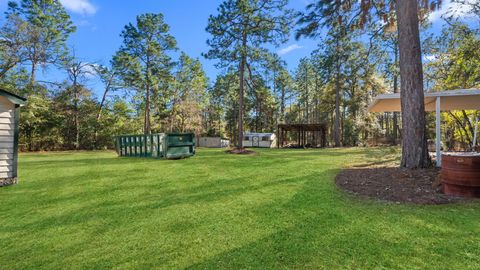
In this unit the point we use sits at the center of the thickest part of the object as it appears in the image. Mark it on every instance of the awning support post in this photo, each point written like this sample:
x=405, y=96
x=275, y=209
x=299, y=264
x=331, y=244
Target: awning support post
x=438, y=133
x=475, y=133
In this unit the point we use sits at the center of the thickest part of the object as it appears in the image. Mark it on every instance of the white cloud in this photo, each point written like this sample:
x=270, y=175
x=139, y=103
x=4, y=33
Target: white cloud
x=449, y=8
x=289, y=48
x=83, y=7
x=82, y=23
x=90, y=70
x=429, y=57
x=306, y=2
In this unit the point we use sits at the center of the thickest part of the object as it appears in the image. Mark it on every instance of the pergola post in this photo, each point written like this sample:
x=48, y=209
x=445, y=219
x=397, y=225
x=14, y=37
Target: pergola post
x=279, y=135
x=438, y=133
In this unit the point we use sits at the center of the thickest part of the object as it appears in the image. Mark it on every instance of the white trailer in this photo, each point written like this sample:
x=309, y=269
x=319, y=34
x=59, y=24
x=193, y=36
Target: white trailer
x=262, y=140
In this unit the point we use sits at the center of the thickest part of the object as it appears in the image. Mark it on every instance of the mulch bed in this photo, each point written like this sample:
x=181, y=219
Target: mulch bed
x=394, y=184
x=240, y=151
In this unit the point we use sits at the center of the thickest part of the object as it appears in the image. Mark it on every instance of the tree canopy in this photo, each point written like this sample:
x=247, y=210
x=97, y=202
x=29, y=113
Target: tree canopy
x=151, y=85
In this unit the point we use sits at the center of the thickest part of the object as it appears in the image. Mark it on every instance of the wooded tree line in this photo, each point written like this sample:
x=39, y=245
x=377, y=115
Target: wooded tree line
x=145, y=89
x=357, y=58
x=151, y=86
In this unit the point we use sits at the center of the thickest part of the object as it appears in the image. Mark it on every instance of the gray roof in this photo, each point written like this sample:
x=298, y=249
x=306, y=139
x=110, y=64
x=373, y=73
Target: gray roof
x=15, y=99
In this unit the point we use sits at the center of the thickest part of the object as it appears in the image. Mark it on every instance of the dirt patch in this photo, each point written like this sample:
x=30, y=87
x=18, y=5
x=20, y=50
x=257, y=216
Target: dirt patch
x=396, y=185
x=240, y=151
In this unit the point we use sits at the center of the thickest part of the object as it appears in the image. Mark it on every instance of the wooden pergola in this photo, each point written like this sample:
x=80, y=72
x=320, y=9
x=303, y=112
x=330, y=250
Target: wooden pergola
x=318, y=133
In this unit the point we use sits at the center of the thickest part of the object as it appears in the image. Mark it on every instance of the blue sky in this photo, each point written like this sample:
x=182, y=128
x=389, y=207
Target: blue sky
x=97, y=37
x=99, y=23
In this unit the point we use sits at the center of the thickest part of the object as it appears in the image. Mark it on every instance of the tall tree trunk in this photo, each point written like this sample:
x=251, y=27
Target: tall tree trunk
x=147, y=129
x=314, y=118
x=77, y=123
x=275, y=92
x=33, y=57
x=99, y=115
x=414, y=140
x=147, y=126
x=241, y=91
x=173, y=112
x=387, y=125
x=33, y=73
x=234, y=125
x=395, y=90
x=30, y=139
x=342, y=124
x=307, y=107
x=336, y=125
x=75, y=112
x=282, y=105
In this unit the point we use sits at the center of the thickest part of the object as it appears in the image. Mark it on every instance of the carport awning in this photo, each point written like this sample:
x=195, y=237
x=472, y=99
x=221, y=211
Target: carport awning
x=465, y=99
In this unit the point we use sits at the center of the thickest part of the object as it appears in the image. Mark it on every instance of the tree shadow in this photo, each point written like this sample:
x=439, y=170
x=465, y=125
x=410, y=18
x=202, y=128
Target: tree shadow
x=226, y=220
x=331, y=230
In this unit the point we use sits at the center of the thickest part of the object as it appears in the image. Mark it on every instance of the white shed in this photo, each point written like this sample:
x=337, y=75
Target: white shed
x=264, y=140
x=212, y=142
x=9, y=120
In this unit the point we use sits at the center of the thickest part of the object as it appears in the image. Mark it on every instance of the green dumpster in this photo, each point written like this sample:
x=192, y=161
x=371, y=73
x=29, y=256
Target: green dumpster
x=179, y=145
x=160, y=145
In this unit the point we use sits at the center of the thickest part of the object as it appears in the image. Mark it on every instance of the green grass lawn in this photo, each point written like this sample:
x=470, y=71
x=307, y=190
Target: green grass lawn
x=277, y=209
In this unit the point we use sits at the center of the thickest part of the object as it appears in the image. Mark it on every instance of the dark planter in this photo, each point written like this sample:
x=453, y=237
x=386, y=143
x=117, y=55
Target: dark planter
x=461, y=174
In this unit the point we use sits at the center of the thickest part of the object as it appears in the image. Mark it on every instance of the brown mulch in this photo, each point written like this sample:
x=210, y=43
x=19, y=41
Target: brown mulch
x=240, y=151
x=394, y=184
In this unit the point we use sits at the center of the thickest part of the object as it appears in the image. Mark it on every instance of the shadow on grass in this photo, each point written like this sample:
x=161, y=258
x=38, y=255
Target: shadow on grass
x=389, y=162
x=150, y=223
x=333, y=231
x=150, y=197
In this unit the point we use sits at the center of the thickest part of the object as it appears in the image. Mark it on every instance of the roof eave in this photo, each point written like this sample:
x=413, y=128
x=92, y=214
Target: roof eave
x=15, y=99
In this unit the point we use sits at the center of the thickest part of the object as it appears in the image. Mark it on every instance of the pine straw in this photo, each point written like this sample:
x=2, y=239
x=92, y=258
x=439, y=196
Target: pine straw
x=421, y=186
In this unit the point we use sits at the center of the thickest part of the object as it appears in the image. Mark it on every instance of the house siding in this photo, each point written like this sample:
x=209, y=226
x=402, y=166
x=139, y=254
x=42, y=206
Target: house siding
x=7, y=139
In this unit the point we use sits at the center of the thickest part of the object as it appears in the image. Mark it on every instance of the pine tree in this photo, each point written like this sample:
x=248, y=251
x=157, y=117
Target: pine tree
x=189, y=95
x=142, y=61
x=48, y=28
x=239, y=31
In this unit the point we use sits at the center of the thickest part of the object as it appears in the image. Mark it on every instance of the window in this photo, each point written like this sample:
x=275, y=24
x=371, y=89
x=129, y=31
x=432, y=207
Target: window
x=246, y=138
x=266, y=138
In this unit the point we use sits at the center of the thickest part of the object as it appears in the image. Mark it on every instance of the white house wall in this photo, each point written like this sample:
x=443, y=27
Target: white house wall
x=7, y=119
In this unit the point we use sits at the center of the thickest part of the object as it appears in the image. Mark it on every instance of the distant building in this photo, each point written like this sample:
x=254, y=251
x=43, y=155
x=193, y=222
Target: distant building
x=264, y=140
x=212, y=142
